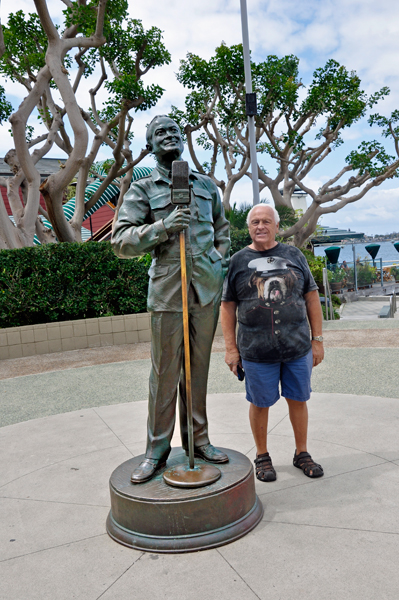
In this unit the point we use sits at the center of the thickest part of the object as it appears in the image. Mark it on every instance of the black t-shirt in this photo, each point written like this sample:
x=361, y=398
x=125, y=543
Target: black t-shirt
x=269, y=289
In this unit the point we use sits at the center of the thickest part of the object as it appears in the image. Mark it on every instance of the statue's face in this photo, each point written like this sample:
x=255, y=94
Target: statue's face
x=166, y=138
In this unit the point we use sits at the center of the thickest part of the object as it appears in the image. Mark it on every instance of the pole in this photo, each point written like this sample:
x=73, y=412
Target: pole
x=354, y=266
x=186, y=338
x=248, y=88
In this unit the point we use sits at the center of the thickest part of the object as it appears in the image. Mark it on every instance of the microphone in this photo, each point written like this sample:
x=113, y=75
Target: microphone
x=180, y=186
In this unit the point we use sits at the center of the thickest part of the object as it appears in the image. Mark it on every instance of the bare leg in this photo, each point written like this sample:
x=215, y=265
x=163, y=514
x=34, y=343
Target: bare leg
x=258, y=418
x=299, y=420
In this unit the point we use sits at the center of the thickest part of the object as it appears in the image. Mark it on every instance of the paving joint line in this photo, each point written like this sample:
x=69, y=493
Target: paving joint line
x=55, y=463
x=121, y=575
x=332, y=527
x=342, y=446
x=237, y=573
x=92, y=537
x=55, y=502
x=321, y=480
x=113, y=432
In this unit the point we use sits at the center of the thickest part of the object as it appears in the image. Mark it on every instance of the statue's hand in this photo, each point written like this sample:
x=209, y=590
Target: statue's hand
x=178, y=220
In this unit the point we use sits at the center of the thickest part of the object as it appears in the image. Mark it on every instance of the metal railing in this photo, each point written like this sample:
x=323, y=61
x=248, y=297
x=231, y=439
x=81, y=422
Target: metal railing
x=329, y=309
x=362, y=273
x=392, y=306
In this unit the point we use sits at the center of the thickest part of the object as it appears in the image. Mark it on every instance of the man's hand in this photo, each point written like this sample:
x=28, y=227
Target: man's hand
x=318, y=352
x=178, y=220
x=232, y=359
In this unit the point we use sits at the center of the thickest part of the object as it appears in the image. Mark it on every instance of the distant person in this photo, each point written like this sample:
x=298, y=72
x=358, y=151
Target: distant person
x=272, y=288
x=345, y=266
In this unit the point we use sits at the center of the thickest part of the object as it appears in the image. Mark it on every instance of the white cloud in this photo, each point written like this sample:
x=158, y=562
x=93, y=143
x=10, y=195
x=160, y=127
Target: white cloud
x=361, y=34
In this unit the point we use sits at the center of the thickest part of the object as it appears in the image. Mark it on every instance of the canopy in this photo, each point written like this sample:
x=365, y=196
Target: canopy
x=372, y=249
x=333, y=254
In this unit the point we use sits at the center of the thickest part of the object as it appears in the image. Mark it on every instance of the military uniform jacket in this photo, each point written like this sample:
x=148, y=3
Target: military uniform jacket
x=139, y=229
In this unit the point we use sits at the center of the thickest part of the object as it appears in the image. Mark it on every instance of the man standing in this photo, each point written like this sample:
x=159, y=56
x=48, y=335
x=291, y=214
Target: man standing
x=271, y=286
x=148, y=222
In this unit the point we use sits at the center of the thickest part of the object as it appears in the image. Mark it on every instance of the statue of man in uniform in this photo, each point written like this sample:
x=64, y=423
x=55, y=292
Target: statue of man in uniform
x=148, y=222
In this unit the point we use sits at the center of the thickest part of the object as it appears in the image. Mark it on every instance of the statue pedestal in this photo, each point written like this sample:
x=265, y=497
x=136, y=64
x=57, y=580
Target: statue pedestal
x=156, y=517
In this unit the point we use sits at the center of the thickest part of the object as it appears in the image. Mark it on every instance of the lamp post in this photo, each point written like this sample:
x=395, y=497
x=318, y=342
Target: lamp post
x=250, y=101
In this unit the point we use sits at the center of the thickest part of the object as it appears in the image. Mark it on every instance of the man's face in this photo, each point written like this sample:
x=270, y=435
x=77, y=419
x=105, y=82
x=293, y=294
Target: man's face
x=263, y=227
x=166, y=138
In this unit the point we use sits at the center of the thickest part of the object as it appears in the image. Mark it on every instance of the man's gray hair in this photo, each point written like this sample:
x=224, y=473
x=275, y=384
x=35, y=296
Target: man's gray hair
x=275, y=213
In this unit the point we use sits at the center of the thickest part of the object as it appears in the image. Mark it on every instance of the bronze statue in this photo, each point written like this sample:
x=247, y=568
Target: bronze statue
x=148, y=222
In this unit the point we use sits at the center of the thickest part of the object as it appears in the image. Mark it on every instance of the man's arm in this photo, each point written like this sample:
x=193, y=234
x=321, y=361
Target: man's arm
x=315, y=316
x=134, y=234
x=228, y=317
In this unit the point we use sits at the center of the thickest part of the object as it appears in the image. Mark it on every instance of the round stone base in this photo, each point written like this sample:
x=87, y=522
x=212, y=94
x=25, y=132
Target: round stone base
x=156, y=517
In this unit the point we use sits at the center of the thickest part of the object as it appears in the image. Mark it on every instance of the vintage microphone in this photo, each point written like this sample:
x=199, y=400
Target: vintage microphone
x=195, y=475
x=181, y=196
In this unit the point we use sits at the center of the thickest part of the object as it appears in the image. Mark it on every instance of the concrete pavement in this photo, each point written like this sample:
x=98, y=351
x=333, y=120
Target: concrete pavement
x=334, y=537
x=331, y=538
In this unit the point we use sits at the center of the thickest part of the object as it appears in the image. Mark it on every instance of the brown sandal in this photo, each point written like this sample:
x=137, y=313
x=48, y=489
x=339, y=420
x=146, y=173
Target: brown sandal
x=264, y=468
x=304, y=461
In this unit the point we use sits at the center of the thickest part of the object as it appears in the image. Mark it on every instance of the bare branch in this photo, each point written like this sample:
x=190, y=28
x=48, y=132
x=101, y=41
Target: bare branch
x=82, y=68
x=2, y=45
x=46, y=21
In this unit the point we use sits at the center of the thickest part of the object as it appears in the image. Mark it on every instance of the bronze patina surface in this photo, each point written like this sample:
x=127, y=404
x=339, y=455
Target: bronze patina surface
x=200, y=475
x=148, y=222
x=156, y=517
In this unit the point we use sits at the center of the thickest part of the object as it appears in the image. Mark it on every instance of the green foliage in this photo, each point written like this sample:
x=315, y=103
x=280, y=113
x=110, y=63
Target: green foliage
x=336, y=313
x=287, y=215
x=126, y=40
x=336, y=92
x=239, y=239
x=372, y=158
x=337, y=274
x=366, y=274
x=59, y=282
x=334, y=95
x=5, y=106
x=238, y=216
x=25, y=45
x=127, y=45
x=316, y=266
x=395, y=272
x=336, y=300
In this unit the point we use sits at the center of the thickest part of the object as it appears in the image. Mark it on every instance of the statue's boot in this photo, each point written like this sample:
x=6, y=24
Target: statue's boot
x=147, y=469
x=210, y=454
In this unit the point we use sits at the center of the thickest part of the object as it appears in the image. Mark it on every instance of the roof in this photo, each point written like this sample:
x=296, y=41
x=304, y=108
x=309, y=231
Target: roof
x=333, y=234
x=45, y=166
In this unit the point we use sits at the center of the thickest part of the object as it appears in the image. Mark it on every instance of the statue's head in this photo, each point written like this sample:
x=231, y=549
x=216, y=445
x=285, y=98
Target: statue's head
x=164, y=138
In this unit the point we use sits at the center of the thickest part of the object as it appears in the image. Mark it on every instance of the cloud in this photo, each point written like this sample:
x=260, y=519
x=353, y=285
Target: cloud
x=361, y=34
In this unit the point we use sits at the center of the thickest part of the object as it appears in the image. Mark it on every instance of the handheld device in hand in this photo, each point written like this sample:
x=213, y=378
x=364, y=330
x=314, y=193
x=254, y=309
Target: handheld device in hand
x=240, y=373
x=180, y=187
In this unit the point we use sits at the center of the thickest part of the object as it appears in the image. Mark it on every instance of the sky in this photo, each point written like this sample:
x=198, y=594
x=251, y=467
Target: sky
x=363, y=35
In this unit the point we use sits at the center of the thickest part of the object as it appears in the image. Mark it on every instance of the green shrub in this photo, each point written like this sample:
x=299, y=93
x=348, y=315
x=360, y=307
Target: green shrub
x=239, y=239
x=61, y=282
x=336, y=313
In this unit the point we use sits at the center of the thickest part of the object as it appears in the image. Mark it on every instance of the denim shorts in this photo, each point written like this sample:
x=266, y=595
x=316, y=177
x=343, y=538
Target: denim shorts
x=262, y=380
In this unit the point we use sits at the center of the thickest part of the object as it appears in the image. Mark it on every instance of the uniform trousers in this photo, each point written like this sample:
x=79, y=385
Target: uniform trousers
x=168, y=375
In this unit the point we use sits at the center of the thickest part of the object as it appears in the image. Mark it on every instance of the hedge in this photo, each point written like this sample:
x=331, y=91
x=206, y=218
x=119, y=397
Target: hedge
x=62, y=282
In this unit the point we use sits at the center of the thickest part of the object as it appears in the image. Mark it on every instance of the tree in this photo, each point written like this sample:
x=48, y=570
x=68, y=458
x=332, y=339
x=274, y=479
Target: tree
x=38, y=54
x=295, y=130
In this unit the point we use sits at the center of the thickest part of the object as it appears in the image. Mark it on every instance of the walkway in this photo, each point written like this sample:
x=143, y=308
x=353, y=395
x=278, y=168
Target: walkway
x=335, y=537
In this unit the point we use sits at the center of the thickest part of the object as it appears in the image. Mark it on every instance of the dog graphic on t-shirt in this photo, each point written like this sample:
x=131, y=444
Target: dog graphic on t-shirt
x=272, y=278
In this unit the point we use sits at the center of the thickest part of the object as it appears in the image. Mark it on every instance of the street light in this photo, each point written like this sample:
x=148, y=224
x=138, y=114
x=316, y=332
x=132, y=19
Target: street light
x=250, y=101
